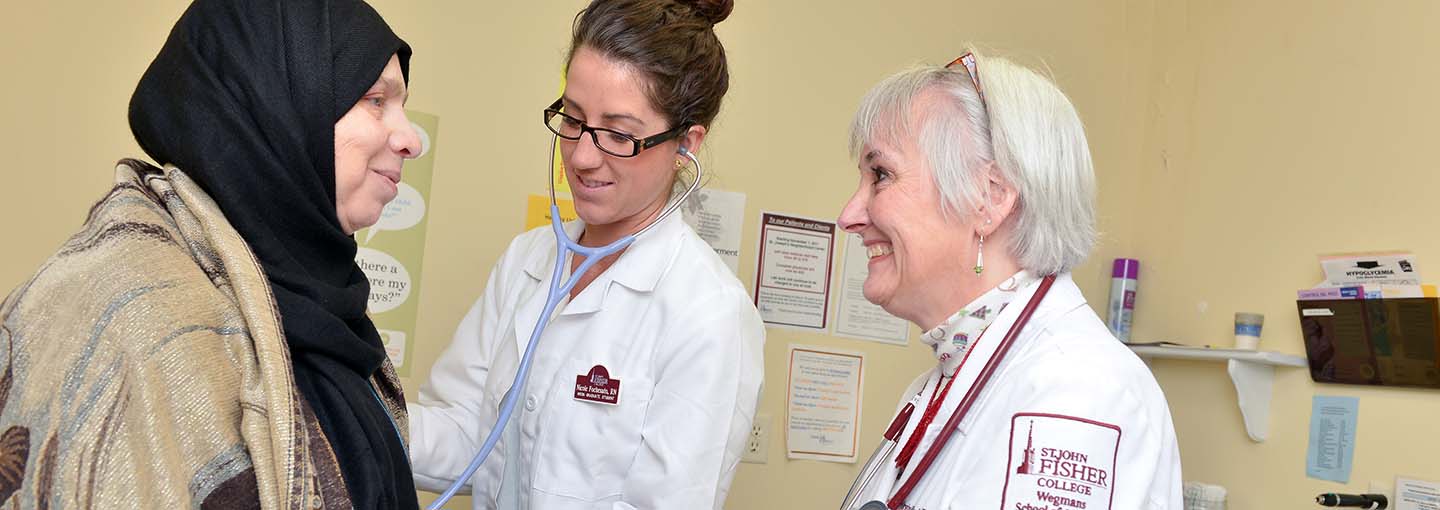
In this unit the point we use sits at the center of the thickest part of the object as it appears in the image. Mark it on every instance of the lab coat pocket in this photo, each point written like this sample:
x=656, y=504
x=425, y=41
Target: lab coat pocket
x=587, y=446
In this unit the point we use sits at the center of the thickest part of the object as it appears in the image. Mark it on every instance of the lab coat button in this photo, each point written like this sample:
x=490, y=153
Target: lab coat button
x=530, y=403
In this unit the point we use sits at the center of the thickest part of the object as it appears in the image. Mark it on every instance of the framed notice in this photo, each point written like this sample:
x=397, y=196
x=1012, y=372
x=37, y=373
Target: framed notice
x=823, y=404
x=792, y=277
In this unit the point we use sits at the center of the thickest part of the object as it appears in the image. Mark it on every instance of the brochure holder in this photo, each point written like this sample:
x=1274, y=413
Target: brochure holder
x=1384, y=342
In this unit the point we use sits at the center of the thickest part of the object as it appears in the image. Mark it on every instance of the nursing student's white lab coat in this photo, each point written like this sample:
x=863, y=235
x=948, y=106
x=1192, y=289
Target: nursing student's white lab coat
x=1071, y=419
x=669, y=320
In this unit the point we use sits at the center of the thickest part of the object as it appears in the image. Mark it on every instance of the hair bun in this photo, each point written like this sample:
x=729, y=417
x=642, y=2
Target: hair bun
x=713, y=11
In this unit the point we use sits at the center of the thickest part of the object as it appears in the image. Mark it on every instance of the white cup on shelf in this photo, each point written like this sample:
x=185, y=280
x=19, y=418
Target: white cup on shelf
x=1247, y=330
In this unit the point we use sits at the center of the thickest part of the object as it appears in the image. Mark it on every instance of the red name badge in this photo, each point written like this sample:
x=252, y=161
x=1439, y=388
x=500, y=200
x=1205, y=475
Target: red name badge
x=597, y=386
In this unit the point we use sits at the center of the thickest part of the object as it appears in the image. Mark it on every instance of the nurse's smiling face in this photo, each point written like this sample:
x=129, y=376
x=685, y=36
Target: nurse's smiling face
x=616, y=195
x=917, y=253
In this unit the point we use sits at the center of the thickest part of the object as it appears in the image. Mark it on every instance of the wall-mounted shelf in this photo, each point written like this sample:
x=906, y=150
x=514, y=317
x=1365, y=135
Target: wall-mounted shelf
x=1253, y=373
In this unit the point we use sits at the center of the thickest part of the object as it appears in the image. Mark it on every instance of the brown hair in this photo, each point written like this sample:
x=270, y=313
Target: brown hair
x=671, y=42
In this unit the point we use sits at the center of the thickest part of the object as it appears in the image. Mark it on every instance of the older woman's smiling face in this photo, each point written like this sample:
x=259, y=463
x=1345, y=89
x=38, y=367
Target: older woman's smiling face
x=372, y=142
x=918, y=254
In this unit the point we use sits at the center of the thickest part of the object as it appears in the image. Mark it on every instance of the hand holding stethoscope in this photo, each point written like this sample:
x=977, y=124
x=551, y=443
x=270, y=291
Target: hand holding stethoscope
x=892, y=433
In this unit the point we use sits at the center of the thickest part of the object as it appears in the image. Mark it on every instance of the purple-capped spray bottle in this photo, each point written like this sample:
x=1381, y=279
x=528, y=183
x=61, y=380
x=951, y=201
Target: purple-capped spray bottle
x=1124, y=278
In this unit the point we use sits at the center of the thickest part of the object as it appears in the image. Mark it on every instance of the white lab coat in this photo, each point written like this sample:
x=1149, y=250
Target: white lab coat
x=1094, y=422
x=668, y=320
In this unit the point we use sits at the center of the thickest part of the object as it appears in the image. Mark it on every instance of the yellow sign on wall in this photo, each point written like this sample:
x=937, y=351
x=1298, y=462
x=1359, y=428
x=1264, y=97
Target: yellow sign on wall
x=537, y=211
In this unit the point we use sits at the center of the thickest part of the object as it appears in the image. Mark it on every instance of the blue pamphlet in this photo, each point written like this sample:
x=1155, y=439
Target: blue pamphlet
x=1332, y=438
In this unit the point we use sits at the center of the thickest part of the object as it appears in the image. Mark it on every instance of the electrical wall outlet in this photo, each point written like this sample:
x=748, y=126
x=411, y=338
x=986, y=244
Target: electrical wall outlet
x=757, y=446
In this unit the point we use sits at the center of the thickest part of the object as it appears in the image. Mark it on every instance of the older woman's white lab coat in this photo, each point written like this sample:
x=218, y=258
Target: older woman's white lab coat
x=668, y=321
x=1071, y=419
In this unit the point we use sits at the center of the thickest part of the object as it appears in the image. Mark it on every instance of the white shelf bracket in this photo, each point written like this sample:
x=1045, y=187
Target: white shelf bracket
x=1253, y=382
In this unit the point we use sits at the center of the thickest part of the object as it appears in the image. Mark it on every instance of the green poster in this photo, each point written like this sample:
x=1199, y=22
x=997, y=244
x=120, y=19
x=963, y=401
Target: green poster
x=391, y=251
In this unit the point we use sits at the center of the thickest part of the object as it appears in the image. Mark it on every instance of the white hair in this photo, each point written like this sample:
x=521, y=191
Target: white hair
x=1024, y=125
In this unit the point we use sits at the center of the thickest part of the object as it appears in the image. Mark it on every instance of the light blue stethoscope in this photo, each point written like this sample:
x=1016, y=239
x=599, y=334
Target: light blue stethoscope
x=558, y=291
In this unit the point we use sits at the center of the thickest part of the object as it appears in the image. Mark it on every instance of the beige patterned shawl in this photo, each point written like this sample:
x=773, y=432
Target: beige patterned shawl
x=144, y=367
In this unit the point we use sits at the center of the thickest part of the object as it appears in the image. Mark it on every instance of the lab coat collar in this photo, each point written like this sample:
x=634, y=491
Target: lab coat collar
x=639, y=267
x=1063, y=297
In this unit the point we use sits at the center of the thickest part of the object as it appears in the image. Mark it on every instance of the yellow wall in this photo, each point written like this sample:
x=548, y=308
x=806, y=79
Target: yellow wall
x=1215, y=127
x=1277, y=131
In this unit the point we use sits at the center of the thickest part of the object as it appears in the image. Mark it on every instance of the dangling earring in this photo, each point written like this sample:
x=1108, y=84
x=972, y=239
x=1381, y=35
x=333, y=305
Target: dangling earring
x=980, y=256
x=980, y=252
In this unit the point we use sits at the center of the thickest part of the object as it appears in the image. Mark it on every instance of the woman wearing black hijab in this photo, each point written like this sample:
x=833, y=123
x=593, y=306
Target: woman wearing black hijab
x=202, y=341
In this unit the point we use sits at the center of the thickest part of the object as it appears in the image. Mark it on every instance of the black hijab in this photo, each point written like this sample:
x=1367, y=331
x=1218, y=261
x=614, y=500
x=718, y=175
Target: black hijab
x=244, y=97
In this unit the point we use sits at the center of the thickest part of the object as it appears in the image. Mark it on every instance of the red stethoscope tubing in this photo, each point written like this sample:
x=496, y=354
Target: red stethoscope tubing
x=959, y=414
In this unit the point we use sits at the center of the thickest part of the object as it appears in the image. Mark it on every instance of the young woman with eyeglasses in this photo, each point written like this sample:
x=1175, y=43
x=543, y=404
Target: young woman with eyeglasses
x=644, y=385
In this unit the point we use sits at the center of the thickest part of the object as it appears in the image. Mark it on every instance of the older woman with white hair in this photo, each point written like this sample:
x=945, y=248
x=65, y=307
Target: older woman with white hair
x=1033, y=403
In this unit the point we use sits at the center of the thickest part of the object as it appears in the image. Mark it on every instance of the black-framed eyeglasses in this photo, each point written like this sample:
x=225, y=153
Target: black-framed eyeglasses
x=612, y=142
